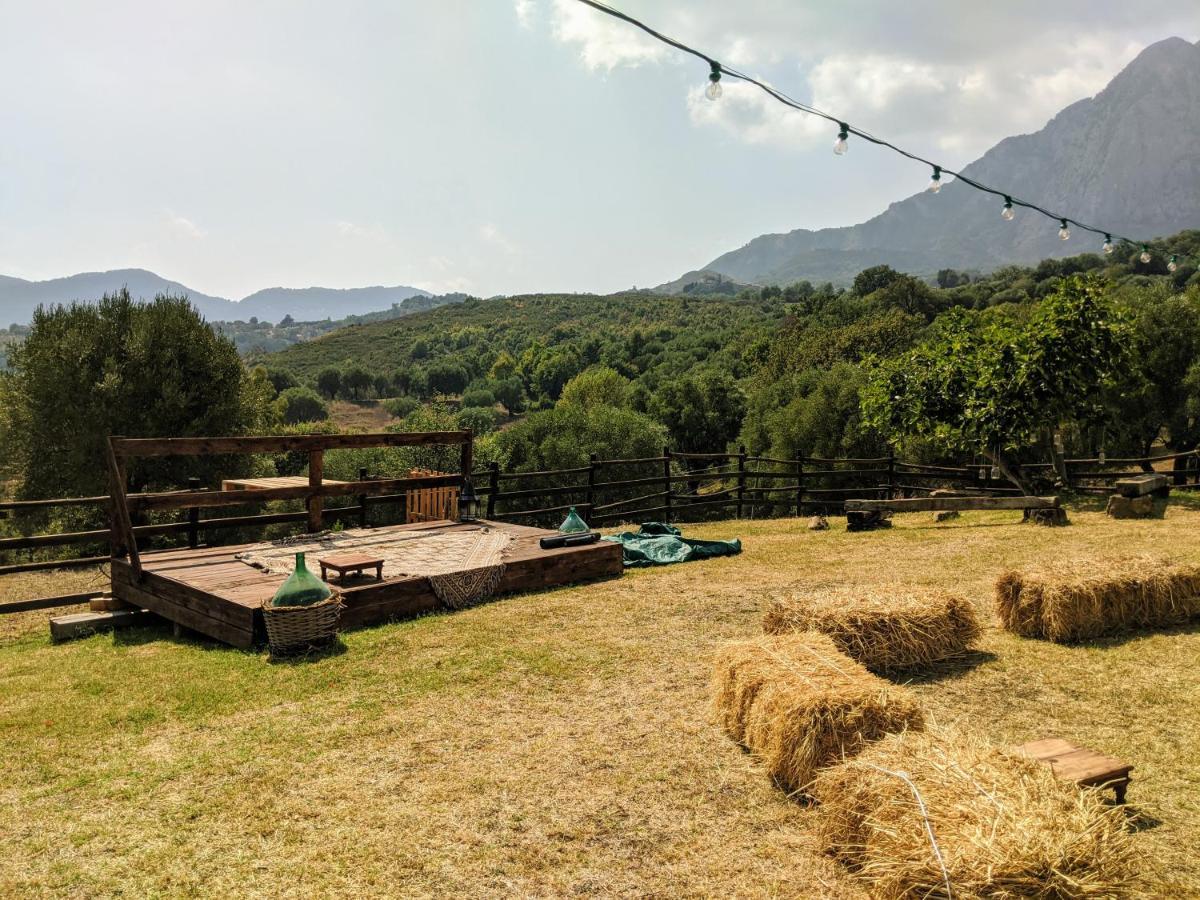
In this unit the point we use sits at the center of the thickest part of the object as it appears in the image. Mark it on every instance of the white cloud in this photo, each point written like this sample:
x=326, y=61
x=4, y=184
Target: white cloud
x=524, y=10
x=492, y=235
x=954, y=90
x=184, y=226
x=604, y=42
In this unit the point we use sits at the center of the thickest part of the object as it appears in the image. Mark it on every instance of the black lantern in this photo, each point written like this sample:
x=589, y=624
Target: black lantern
x=468, y=502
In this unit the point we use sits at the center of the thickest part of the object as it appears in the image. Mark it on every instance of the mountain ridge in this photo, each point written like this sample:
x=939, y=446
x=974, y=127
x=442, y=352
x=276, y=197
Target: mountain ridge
x=19, y=297
x=1120, y=159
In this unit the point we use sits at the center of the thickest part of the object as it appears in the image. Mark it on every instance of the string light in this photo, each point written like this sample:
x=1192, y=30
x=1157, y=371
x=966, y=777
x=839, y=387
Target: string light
x=935, y=183
x=1173, y=264
x=714, y=91
x=841, y=145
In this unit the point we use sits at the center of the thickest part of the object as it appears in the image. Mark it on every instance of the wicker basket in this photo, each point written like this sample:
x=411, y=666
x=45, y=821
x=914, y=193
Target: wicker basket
x=294, y=629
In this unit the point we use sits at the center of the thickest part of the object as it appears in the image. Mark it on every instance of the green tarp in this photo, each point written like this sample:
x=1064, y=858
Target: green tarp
x=660, y=544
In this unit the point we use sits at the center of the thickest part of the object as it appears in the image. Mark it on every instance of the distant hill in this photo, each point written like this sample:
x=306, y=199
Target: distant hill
x=18, y=297
x=701, y=281
x=1125, y=159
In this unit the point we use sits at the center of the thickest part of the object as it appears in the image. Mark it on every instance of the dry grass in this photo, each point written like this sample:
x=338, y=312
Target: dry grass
x=888, y=630
x=798, y=704
x=555, y=744
x=1083, y=599
x=917, y=811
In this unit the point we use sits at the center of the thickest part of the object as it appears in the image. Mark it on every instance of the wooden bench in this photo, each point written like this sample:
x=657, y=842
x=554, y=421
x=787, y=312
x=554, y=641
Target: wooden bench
x=1087, y=768
x=350, y=563
x=1141, y=485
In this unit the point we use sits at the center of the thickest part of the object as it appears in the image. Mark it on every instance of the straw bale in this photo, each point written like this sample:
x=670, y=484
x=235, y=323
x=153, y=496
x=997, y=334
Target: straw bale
x=886, y=628
x=1079, y=600
x=798, y=704
x=916, y=810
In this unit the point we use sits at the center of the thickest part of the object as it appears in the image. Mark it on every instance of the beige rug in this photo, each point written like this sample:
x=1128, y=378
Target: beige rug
x=463, y=566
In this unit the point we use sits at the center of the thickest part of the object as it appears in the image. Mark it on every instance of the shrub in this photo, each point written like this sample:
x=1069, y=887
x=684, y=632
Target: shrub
x=301, y=404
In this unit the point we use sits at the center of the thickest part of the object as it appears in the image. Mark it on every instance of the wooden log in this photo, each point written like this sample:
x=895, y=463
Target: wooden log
x=1140, y=485
x=933, y=504
x=14, y=606
x=202, y=446
x=77, y=625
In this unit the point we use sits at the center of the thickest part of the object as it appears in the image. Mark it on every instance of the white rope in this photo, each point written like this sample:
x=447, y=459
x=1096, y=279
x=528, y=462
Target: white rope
x=937, y=851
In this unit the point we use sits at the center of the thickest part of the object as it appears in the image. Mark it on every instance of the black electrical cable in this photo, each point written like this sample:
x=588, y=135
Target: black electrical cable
x=717, y=67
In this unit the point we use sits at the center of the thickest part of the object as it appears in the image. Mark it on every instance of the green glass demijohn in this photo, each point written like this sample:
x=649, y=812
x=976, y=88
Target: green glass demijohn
x=302, y=588
x=573, y=524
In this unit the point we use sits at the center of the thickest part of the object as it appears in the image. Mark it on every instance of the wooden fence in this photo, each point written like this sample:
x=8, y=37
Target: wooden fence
x=673, y=486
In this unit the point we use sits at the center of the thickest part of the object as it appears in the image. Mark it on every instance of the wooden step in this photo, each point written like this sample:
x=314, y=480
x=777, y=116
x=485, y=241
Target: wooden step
x=77, y=625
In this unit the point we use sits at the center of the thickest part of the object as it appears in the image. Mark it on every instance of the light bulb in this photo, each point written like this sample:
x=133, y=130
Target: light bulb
x=1064, y=233
x=841, y=145
x=713, y=91
x=1172, y=265
x=935, y=184
x=1145, y=257
x=1007, y=213
x=1108, y=247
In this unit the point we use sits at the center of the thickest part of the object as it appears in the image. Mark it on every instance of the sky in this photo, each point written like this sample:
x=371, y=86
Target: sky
x=499, y=146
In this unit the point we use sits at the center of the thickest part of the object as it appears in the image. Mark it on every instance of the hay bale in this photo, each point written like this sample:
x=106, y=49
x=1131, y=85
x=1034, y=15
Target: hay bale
x=992, y=823
x=887, y=629
x=798, y=704
x=1075, y=601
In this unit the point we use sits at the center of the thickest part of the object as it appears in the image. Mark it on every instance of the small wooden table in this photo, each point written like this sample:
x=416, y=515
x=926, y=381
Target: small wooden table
x=351, y=563
x=1086, y=768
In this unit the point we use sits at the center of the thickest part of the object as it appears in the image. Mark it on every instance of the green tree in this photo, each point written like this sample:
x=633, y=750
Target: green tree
x=702, y=412
x=400, y=407
x=301, y=404
x=868, y=281
x=477, y=419
x=329, y=382
x=86, y=371
x=281, y=379
x=478, y=397
x=562, y=437
x=357, y=381
x=997, y=385
x=598, y=386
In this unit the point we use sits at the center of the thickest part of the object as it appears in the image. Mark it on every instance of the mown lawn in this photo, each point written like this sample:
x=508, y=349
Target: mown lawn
x=551, y=744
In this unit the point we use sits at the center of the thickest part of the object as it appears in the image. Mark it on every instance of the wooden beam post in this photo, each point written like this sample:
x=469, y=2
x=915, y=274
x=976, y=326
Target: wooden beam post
x=117, y=482
x=316, y=503
x=667, y=480
x=362, y=500
x=741, y=479
x=799, y=486
x=468, y=456
x=590, y=495
x=193, y=517
x=493, y=488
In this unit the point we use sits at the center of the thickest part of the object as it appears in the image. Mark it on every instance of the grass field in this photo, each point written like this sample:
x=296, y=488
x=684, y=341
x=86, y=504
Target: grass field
x=546, y=745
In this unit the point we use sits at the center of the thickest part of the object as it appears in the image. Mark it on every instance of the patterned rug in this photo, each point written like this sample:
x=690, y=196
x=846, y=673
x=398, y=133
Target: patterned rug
x=464, y=567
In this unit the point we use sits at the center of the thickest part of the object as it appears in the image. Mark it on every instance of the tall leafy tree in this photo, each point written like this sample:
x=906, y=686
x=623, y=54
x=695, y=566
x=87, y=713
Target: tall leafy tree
x=86, y=371
x=995, y=385
x=702, y=411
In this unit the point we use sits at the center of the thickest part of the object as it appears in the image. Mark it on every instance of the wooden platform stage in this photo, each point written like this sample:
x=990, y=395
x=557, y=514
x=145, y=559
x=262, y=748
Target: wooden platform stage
x=212, y=592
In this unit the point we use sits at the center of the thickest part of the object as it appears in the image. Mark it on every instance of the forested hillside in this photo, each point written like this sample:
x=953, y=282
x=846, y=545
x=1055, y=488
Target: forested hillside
x=785, y=371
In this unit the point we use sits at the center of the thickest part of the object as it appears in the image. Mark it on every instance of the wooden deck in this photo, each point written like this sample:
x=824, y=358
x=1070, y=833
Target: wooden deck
x=212, y=592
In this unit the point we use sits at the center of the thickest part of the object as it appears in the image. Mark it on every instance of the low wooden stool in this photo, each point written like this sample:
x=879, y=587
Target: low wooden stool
x=351, y=563
x=1086, y=768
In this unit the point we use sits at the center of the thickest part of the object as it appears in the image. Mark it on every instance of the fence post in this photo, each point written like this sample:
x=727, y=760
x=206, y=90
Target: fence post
x=193, y=517
x=316, y=503
x=741, y=488
x=891, y=474
x=493, y=487
x=799, y=486
x=667, y=480
x=590, y=496
x=362, y=500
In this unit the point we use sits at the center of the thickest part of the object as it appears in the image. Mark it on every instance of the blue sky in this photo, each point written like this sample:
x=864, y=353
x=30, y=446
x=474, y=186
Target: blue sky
x=497, y=146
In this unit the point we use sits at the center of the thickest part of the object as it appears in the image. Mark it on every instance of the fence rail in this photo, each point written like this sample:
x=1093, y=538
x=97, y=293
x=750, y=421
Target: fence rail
x=688, y=485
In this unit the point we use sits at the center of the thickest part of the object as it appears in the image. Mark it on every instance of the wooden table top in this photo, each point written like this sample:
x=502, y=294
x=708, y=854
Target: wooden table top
x=350, y=560
x=1073, y=763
